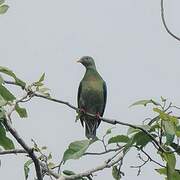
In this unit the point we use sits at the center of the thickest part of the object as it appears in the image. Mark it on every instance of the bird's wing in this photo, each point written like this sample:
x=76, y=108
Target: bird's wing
x=79, y=94
x=105, y=97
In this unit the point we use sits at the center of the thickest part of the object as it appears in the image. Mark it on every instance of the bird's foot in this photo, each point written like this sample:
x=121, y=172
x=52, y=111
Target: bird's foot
x=82, y=111
x=98, y=116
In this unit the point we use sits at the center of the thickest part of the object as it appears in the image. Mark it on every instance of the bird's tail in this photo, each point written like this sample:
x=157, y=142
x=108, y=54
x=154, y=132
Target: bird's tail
x=90, y=128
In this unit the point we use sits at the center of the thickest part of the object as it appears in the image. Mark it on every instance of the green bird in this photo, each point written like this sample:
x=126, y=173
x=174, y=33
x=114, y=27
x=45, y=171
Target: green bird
x=92, y=95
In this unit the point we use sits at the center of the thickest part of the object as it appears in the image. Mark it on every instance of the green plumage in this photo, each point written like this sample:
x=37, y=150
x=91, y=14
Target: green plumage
x=91, y=96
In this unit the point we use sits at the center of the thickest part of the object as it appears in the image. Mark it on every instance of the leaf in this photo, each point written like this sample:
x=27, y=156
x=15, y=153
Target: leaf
x=6, y=94
x=171, y=163
x=2, y=2
x=68, y=173
x=169, y=131
x=51, y=165
x=163, y=99
x=162, y=114
x=26, y=168
x=128, y=145
x=2, y=101
x=43, y=90
x=115, y=173
x=42, y=78
x=76, y=150
x=162, y=171
x=3, y=8
x=8, y=72
x=141, y=139
x=49, y=156
x=109, y=130
x=5, y=142
x=144, y=102
x=178, y=131
x=21, y=111
x=1, y=80
x=118, y=139
x=134, y=130
x=175, y=175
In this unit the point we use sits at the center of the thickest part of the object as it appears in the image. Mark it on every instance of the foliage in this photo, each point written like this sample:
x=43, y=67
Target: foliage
x=160, y=133
x=3, y=7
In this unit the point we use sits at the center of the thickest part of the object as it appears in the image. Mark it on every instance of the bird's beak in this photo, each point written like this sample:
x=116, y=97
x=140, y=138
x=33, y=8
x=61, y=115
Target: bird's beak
x=78, y=61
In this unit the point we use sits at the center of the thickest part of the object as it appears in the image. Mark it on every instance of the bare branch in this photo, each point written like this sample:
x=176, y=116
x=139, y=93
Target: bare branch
x=164, y=22
x=13, y=151
x=18, y=138
x=104, y=152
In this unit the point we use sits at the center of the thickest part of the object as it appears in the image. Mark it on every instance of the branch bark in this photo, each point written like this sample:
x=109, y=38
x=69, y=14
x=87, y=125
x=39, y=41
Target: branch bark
x=165, y=24
x=18, y=138
x=13, y=151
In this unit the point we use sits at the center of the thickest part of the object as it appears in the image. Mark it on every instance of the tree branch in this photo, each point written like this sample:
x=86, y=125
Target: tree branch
x=110, y=121
x=18, y=138
x=164, y=22
x=13, y=151
x=107, y=164
x=104, y=152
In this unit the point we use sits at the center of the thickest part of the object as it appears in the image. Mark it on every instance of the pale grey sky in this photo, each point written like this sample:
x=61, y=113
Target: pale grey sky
x=133, y=53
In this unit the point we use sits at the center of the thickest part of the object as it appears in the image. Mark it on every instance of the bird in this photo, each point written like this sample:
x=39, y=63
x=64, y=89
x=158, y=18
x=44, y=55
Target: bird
x=92, y=96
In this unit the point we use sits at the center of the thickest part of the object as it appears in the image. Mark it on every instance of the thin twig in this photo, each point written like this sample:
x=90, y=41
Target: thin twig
x=164, y=22
x=104, y=152
x=110, y=121
x=13, y=151
x=107, y=164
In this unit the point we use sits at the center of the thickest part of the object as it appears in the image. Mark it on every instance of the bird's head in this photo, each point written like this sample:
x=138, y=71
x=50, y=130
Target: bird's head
x=87, y=61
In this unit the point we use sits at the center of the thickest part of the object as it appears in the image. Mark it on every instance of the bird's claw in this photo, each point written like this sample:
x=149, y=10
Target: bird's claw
x=98, y=116
x=82, y=111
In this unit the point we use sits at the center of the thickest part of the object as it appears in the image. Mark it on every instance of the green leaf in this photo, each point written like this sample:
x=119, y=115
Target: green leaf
x=68, y=173
x=1, y=80
x=5, y=142
x=21, y=111
x=2, y=101
x=144, y=102
x=10, y=73
x=6, y=94
x=76, y=150
x=169, y=131
x=3, y=8
x=128, y=145
x=134, y=130
x=163, y=99
x=109, y=130
x=141, y=139
x=175, y=174
x=162, y=171
x=43, y=90
x=2, y=2
x=178, y=131
x=51, y=165
x=42, y=78
x=26, y=168
x=115, y=173
x=171, y=163
x=118, y=139
x=162, y=114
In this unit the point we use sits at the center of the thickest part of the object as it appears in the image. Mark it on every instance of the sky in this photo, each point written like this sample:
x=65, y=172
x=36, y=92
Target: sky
x=133, y=53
